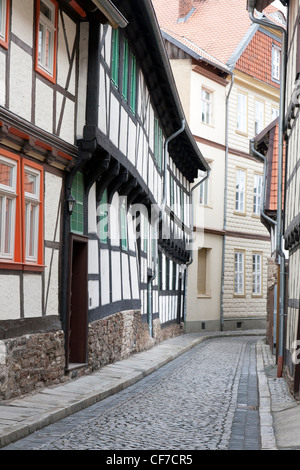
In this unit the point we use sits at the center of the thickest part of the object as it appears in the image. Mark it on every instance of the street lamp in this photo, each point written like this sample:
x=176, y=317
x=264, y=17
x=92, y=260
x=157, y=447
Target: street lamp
x=71, y=203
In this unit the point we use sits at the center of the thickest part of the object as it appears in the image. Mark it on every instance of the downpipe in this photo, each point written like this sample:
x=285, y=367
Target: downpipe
x=280, y=254
x=156, y=229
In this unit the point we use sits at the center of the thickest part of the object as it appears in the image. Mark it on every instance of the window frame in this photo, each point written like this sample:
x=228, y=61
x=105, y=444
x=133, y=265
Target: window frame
x=123, y=226
x=242, y=113
x=19, y=259
x=50, y=74
x=239, y=272
x=78, y=211
x=4, y=23
x=275, y=58
x=238, y=210
x=32, y=201
x=257, y=274
x=8, y=192
x=257, y=205
x=158, y=144
x=206, y=107
x=258, y=128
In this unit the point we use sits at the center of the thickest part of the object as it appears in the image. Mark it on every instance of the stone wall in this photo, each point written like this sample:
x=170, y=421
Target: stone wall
x=116, y=337
x=30, y=362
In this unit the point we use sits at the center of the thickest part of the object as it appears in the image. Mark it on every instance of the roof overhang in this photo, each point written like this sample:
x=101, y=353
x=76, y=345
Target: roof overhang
x=260, y=5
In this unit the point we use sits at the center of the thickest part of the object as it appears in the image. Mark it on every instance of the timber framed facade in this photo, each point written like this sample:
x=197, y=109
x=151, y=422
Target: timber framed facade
x=96, y=164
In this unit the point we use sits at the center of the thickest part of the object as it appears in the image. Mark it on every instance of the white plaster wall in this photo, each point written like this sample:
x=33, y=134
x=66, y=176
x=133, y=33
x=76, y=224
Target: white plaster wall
x=22, y=20
x=67, y=130
x=93, y=287
x=102, y=113
x=114, y=221
x=62, y=56
x=82, y=77
x=32, y=295
x=2, y=78
x=125, y=277
x=9, y=297
x=93, y=264
x=20, y=87
x=114, y=120
x=53, y=186
x=43, y=106
x=51, y=281
x=116, y=276
x=134, y=278
x=123, y=131
x=131, y=142
x=104, y=273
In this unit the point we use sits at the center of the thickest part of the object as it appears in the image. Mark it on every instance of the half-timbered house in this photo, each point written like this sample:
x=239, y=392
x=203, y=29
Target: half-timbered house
x=96, y=162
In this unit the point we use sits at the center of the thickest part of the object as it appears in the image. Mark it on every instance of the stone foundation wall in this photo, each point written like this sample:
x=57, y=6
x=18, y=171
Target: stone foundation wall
x=30, y=362
x=122, y=334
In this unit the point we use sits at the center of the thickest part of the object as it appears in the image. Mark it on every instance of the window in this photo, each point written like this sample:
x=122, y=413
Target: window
x=125, y=69
x=123, y=225
x=133, y=84
x=257, y=193
x=4, y=20
x=240, y=190
x=203, y=189
x=275, y=113
x=8, y=194
x=203, y=277
x=275, y=62
x=257, y=273
x=206, y=106
x=259, y=116
x=115, y=57
x=32, y=203
x=172, y=201
x=158, y=143
x=21, y=211
x=46, y=38
x=103, y=218
x=239, y=281
x=77, y=214
x=242, y=112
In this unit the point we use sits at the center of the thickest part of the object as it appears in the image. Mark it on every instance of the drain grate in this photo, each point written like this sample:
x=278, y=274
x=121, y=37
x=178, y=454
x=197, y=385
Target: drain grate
x=242, y=406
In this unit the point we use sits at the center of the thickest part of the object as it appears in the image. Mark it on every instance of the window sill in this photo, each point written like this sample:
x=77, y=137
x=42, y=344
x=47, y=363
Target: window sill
x=203, y=296
x=21, y=266
x=244, y=134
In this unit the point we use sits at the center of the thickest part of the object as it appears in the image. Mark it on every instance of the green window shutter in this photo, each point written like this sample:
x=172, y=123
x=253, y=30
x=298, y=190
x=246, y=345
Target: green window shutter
x=158, y=141
x=125, y=69
x=160, y=148
x=103, y=219
x=77, y=214
x=133, y=84
x=171, y=191
x=123, y=224
x=115, y=58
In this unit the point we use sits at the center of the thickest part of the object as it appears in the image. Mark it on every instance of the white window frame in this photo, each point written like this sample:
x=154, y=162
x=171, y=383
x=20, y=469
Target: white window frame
x=256, y=274
x=3, y=4
x=8, y=193
x=32, y=202
x=275, y=113
x=240, y=190
x=204, y=190
x=259, y=116
x=239, y=272
x=242, y=114
x=49, y=26
x=206, y=106
x=257, y=193
x=276, y=53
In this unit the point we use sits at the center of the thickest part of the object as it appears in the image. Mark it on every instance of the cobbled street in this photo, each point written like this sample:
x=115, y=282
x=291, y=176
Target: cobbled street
x=206, y=399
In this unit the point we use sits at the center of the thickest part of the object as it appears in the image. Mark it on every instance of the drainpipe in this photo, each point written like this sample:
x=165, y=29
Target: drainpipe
x=156, y=224
x=280, y=254
x=192, y=228
x=225, y=198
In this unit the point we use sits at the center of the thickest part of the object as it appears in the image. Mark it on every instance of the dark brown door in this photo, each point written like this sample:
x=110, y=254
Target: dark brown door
x=78, y=300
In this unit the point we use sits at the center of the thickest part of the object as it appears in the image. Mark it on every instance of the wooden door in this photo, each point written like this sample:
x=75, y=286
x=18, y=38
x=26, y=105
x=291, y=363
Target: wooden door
x=78, y=300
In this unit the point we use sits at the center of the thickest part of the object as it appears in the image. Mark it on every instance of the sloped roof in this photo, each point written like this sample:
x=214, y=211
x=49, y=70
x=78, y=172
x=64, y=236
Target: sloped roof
x=218, y=30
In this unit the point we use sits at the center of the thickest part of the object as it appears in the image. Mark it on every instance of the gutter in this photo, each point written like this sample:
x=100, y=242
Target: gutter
x=225, y=199
x=114, y=16
x=280, y=254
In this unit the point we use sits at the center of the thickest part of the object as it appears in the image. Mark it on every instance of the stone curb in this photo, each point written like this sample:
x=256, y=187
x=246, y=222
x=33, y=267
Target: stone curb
x=268, y=440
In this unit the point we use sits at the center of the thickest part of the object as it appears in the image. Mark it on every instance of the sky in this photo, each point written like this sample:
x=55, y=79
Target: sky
x=278, y=4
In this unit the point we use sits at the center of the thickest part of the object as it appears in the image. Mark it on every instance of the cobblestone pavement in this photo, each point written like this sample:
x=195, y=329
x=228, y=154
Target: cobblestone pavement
x=206, y=399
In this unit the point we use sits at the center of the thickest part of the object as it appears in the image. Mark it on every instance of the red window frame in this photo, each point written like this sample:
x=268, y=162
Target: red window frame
x=4, y=42
x=38, y=68
x=19, y=261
